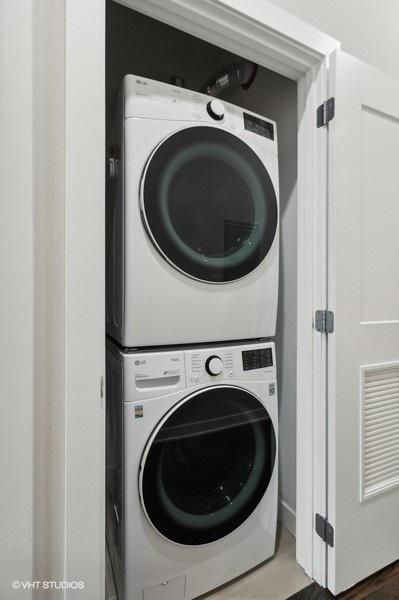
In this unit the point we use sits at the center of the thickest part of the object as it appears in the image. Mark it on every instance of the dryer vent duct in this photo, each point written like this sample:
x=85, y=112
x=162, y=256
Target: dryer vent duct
x=242, y=73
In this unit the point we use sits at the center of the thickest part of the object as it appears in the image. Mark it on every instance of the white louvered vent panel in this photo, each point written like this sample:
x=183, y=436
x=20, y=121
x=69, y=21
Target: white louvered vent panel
x=380, y=429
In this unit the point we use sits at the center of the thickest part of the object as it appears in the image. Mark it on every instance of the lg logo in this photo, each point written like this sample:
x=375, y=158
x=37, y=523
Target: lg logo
x=139, y=82
x=140, y=362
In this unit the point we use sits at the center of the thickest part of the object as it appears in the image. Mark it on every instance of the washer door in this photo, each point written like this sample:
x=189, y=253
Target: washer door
x=209, y=204
x=207, y=465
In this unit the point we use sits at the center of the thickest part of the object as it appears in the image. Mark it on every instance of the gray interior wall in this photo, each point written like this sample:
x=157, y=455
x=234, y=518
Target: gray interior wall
x=142, y=46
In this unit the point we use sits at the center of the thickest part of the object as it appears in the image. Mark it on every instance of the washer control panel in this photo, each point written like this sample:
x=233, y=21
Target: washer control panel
x=257, y=359
x=151, y=374
x=251, y=362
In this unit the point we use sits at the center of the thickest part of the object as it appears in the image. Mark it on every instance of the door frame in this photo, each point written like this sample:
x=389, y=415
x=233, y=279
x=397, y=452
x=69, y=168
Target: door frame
x=279, y=41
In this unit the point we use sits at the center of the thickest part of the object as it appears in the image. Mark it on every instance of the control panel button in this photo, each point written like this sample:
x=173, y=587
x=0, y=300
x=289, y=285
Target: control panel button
x=215, y=109
x=214, y=365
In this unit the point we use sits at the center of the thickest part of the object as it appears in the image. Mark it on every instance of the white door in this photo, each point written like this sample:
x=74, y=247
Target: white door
x=363, y=292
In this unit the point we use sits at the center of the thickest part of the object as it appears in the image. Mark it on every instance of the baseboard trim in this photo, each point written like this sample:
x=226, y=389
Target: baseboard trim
x=287, y=516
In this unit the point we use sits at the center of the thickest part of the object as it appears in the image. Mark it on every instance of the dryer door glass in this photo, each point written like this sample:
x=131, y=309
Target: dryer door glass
x=209, y=204
x=208, y=465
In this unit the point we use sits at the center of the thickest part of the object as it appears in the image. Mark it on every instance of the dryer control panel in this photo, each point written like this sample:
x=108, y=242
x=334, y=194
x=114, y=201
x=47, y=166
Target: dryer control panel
x=249, y=362
x=150, y=99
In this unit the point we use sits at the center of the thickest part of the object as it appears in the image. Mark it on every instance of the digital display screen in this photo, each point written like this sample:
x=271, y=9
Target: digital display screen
x=258, y=126
x=257, y=359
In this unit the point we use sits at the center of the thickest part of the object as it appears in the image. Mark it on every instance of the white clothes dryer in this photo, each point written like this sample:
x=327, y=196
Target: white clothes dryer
x=192, y=472
x=192, y=219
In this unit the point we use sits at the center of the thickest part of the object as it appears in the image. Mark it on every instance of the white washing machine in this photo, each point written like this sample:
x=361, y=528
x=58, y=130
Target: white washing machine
x=192, y=219
x=192, y=469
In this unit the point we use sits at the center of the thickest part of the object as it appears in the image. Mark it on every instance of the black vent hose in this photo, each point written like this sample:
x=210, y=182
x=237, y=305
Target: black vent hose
x=242, y=73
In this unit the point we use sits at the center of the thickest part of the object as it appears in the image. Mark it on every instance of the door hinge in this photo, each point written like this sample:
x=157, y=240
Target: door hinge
x=325, y=112
x=325, y=530
x=324, y=321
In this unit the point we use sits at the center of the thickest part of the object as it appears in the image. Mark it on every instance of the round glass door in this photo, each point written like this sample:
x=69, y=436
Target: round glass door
x=208, y=465
x=209, y=204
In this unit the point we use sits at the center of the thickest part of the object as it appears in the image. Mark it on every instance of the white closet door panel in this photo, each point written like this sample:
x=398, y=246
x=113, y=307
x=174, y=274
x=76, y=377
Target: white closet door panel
x=363, y=290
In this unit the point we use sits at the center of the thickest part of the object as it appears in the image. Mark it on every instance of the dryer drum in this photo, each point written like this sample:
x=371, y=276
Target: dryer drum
x=208, y=465
x=209, y=204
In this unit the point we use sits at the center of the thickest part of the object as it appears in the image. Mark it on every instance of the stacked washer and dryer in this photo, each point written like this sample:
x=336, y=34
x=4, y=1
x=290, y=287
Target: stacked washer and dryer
x=192, y=288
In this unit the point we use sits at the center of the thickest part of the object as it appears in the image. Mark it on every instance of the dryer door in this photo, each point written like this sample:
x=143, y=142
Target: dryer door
x=209, y=204
x=207, y=465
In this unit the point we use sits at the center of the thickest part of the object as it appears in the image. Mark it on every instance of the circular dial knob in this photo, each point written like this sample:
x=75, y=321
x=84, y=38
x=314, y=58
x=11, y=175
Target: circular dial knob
x=215, y=109
x=214, y=365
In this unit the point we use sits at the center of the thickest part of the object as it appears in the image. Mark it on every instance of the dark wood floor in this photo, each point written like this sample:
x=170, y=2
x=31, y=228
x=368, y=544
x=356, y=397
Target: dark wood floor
x=384, y=585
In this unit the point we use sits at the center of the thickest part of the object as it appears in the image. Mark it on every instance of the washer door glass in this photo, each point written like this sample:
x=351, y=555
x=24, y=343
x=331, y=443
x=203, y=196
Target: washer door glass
x=209, y=204
x=208, y=465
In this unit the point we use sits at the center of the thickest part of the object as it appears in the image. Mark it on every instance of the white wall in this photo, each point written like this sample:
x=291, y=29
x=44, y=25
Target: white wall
x=52, y=205
x=368, y=29
x=84, y=306
x=48, y=55
x=16, y=276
